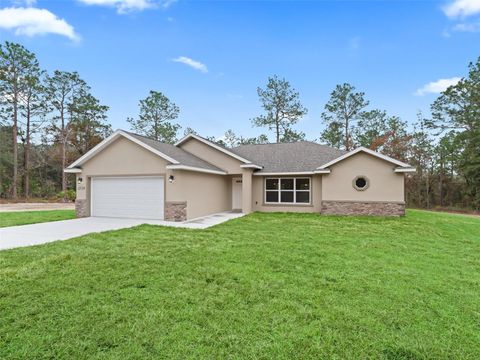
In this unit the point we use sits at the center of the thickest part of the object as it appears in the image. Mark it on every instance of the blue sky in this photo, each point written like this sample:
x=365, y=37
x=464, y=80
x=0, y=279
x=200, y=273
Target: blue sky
x=400, y=53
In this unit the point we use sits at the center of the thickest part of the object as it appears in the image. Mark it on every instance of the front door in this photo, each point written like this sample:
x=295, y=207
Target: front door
x=236, y=194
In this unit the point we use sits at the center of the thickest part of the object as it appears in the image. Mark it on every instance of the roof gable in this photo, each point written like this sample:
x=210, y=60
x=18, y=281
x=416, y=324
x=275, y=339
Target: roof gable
x=178, y=158
x=107, y=141
x=213, y=145
x=184, y=158
x=365, y=150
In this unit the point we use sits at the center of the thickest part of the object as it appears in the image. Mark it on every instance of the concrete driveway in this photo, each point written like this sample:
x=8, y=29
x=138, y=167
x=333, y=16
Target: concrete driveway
x=35, y=234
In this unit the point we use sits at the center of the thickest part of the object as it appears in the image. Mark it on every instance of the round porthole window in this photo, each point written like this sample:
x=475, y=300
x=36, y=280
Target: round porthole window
x=360, y=183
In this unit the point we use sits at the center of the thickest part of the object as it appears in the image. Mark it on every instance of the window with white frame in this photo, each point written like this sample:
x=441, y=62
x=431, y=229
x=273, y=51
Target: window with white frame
x=287, y=190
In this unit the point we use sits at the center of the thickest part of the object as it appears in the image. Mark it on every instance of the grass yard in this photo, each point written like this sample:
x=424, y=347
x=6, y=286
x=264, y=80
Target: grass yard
x=32, y=217
x=266, y=286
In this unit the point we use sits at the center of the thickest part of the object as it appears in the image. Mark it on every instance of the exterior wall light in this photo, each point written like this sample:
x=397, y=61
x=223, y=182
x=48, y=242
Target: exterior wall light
x=171, y=178
x=80, y=180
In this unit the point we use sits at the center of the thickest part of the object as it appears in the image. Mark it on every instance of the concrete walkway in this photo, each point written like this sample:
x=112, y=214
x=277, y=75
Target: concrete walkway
x=35, y=234
x=36, y=206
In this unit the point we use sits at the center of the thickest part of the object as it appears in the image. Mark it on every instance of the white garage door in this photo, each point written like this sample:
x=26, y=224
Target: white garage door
x=128, y=197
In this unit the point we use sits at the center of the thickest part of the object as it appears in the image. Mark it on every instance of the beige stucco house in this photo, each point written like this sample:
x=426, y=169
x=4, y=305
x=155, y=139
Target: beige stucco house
x=128, y=175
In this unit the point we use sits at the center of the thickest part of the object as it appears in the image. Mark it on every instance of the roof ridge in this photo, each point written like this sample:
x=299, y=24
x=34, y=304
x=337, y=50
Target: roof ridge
x=289, y=142
x=145, y=137
x=285, y=142
x=230, y=148
x=177, y=148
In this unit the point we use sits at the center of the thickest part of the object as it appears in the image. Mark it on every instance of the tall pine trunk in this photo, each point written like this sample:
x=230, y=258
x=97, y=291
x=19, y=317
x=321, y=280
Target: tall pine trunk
x=64, y=158
x=428, y=189
x=347, y=143
x=26, y=157
x=277, y=126
x=15, y=149
x=64, y=164
x=440, y=182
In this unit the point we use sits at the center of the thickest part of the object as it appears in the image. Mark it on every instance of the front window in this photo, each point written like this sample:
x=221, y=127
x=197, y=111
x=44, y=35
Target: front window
x=287, y=190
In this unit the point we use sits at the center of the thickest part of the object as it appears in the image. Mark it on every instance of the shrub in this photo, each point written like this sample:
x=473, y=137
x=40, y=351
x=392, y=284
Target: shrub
x=69, y=194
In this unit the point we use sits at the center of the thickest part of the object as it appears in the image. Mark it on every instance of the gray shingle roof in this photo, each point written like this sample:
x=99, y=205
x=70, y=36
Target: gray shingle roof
x=182, y=156
x=281, y=157
x=288, y=157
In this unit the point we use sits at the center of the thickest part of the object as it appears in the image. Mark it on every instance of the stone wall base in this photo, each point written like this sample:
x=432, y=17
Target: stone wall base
x=363, y=208
x=81, y=208
x=176, y=211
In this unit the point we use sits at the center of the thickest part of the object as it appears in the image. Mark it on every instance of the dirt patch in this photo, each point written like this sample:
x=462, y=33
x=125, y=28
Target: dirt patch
x=472, y=213
x=457, y=211
x=31, y=200
x=36, y=206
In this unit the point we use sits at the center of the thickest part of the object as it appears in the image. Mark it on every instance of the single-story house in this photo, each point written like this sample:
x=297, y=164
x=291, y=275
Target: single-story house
x=131, y=176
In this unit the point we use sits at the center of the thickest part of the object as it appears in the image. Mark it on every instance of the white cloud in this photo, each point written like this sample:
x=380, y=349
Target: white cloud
x=197, y=65
x=473, y=27
x=33, y=21
x=462, y=8
x=24, y=2
x=436, y=87
x=446, y=33
x=122, y=6
x=126, y=6
x=167, y=3
x=467, y=27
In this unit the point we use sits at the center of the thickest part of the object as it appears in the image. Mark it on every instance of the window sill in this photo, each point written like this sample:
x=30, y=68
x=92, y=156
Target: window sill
x=287, y=204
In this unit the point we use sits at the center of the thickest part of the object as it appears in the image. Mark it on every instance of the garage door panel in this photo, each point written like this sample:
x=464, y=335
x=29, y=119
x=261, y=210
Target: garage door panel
x=129, y=197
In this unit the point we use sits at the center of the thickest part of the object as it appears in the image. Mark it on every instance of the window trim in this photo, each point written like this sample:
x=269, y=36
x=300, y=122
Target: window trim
x=294, y=190
x=367, y=183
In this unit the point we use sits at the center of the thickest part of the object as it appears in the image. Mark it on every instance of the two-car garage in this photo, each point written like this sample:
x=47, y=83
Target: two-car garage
x=125, y=176
x=137, y=197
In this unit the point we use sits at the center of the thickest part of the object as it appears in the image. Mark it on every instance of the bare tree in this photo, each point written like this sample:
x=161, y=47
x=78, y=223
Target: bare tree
x=16, y=64
x=33, y=109
x=64, y=89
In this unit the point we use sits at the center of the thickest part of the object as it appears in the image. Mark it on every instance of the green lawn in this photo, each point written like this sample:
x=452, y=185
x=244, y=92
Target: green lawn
x=32, y=217
x=266, y=286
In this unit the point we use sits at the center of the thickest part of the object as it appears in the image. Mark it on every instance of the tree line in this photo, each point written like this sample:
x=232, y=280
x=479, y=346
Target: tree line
x=49, y=120
x=58, y=110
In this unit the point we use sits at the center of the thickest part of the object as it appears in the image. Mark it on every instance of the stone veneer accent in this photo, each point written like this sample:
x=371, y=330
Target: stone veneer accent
x=176, y=210
x=363, y=208
x=81, y=208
